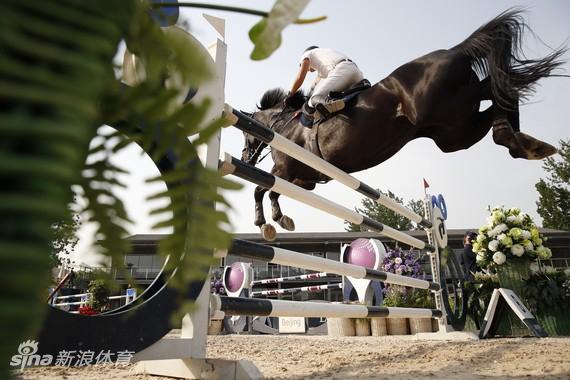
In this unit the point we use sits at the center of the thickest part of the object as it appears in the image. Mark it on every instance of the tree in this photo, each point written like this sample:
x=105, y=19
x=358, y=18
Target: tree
x=65, y=239
x=99, y=294
x=554, y=201
x=386, y=216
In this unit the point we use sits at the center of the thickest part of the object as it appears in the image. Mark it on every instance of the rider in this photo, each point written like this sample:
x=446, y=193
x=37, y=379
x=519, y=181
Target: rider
x=335, y=72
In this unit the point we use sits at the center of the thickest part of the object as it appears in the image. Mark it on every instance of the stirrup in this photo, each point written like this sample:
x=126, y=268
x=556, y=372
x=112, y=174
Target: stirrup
x=335, y=105
x=328, y=108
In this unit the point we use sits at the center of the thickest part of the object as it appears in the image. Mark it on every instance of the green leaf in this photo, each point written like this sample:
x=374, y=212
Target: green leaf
x=266, y=34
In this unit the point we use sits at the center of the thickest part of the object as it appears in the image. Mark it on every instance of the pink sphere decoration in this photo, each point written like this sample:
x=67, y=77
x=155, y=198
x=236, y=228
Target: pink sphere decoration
x=234, y=277
x=361, y=252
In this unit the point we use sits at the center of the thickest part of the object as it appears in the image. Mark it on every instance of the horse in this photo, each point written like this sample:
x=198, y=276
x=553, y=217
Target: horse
x=436, y=96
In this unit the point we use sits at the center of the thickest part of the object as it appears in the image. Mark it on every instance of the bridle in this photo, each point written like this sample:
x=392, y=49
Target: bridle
x=253, y=151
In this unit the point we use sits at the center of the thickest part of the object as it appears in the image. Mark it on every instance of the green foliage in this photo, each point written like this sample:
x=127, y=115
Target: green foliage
x=386, y=216
x=421, y=298
x=65, y=239
x=553, y=204
x=395, y=296
x=99, y=295
x=147, y=102
x=401, y=296
x=82, y=278
x=479, y=293
x=545, y=292
x=55, y=64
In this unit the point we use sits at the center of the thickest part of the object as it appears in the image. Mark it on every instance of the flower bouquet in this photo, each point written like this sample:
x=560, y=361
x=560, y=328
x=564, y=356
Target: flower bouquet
x=402, y=262
x=509, y=235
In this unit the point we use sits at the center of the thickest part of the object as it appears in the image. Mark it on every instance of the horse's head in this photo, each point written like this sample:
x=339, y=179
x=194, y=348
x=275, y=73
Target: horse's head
x=252, y=146
x=271, y=109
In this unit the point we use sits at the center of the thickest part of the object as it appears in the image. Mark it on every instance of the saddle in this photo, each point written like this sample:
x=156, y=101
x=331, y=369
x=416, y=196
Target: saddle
x=352, y=91
x=348, y=96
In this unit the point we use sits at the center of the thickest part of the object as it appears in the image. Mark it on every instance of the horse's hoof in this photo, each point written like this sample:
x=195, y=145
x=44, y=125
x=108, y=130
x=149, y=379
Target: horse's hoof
x=268, y=232
x=534, y=149
x=286, y=223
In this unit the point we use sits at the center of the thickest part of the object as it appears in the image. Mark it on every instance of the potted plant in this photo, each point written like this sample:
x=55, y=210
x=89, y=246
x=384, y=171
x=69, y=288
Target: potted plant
x=547, y=294
x=405, y=263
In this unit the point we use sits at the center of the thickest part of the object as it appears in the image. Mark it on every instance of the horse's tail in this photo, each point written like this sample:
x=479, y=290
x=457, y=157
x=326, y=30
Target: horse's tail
x=495, y=51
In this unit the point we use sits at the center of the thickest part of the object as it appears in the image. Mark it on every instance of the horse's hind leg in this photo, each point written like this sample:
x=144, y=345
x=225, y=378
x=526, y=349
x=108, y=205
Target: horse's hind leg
x=283, y=220
x=506, y=131
x=267, y=230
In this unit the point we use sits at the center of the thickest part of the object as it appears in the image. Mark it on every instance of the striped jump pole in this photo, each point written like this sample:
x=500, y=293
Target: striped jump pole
x=308, y=289
x=276, y=255
x=231, y=165
x=279, y=308
x=275, y=140
x=277, y=280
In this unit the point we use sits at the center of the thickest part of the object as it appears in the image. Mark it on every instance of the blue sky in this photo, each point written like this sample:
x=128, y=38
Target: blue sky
x=379, y=36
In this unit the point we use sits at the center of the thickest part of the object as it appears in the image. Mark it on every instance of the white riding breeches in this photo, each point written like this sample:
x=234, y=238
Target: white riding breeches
x=341, y=77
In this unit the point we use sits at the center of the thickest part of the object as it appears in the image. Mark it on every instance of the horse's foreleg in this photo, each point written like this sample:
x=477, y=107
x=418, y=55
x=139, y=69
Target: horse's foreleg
x=283, y=220
x=267, y=230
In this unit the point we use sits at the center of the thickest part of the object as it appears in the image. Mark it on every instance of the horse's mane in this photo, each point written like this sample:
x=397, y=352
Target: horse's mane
x=275, y=96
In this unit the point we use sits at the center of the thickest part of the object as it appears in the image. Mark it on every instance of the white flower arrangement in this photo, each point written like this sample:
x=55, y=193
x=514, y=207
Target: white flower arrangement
x=508, y=234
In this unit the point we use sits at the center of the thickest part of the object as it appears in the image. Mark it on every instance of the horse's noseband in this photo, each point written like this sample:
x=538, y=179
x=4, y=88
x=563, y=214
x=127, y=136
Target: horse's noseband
x=256, y=151
x=252, y=148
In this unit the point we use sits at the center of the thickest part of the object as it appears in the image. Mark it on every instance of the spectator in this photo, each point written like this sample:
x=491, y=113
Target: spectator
x=468, y=257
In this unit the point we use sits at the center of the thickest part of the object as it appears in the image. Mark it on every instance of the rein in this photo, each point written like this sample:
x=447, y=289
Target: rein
x=259, y=147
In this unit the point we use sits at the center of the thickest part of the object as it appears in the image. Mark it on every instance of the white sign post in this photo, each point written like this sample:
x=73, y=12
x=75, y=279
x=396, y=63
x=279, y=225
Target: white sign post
x=496, y=310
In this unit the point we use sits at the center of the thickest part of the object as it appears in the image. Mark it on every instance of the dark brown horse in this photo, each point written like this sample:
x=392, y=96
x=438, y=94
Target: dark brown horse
x=436, y=96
